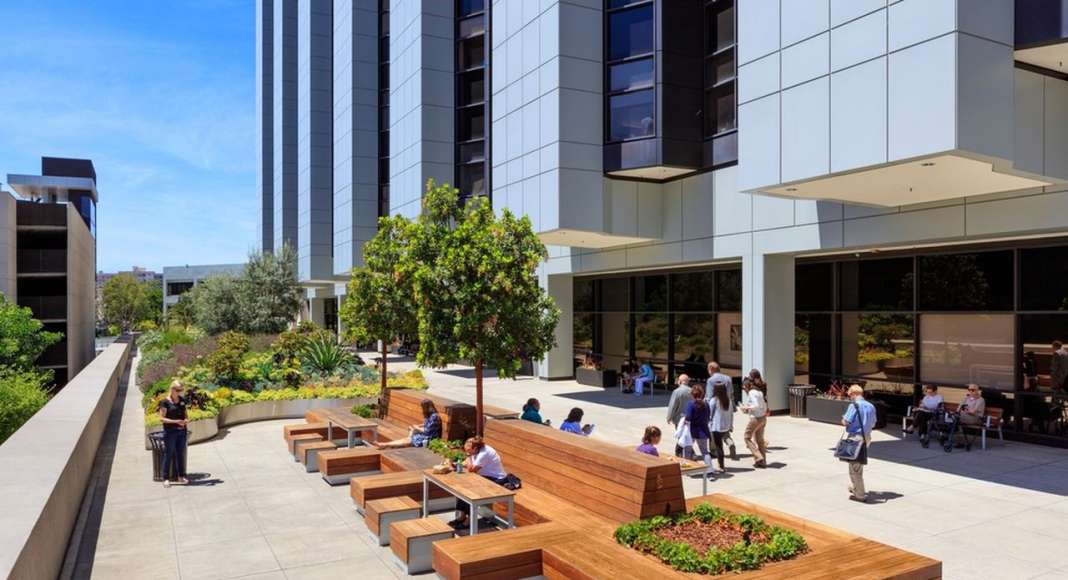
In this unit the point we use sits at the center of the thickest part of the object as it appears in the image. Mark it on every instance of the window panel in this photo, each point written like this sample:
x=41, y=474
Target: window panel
x=467, y=7
x=615, y=294
x=472, y=53
x=650, y=293
x=876, y=284
x=967, y=348
x=582, y=297
x=472, y=123
x=979, y=281
x=878, y=346
x=719, y=69
x=814, y=287
x=583, y=332
x=472, y=26
x=631, y=75
x=651, y=336
x=631, y=116
x=472, y=87
x=1037, y=333
x=615, y=333
x=470, y=152
x=722, y=24
x=630, y=32
x=693, y=291
x=1044, y=278
x=694, y=343
x=720, y=109
x=729, y=290
x=813, y=344
x=473, y=179
x=729, y=341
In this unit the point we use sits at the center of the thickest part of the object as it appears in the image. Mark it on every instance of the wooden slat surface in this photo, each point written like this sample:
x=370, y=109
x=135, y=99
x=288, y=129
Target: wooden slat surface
x=469, y=486
x=346, y=420
x=292, y=442
x=349, y=460
x=498, y=554
x=402, y=533
x=410, y=483
x=409, y=459
x=318, y=446
x=374, y=510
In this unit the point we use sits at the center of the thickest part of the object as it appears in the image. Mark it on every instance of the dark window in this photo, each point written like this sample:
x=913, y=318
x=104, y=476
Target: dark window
x=630, y=32
x=473, y=53
x=475, y=151
x=583, y=332
x=631, y=115
x=979, y=281
x=631, y=75
x=383, y=108
x=615, y=294
x=693, y=291
x=472, y=123
x=178, y=288
x=884, y=284
x=472, y=26
x=729, y=290
x=720, y=25
x=651, y=336
x=720, y=73
x=814, y=287
x=583, y=294
x=468, y=7
x=472, y=179
x=720, y=68
x=650, y=293
x=1044, y=278
x=813, y=344
x=695, y=342
x=472, y=87
x=720, y=109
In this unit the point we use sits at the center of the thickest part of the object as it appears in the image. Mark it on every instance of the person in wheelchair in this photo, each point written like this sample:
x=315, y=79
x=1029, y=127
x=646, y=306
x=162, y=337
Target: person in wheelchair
x=929, y=407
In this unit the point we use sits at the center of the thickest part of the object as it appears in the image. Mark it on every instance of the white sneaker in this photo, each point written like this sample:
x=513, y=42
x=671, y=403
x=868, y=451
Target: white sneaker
x=166, y=483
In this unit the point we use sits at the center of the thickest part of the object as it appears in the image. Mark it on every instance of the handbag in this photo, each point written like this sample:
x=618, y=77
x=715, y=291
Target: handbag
x=682, y=435
x=512, y=482
x=850, y=445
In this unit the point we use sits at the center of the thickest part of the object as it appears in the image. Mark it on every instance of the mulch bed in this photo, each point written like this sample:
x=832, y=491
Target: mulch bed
x=702, y=536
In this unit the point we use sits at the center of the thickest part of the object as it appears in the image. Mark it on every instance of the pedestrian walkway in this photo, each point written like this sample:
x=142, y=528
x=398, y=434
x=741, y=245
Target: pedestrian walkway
x=1002, y=513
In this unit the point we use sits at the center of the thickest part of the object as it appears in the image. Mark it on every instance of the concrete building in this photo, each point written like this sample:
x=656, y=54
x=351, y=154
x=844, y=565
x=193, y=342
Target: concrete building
x=48, y=257
x=867, y=190
x=177, y=280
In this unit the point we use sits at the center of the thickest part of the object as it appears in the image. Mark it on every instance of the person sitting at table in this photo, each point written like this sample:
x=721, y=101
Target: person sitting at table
x=532, y=412
x=483, y=460
x=573, y=423
x=923, y=413
x=418, y=435
x=645, y=376
x=650, y=440
x=627, y=373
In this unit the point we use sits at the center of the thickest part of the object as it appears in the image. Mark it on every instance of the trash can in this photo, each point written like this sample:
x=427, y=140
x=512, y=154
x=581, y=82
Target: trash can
x=156, y=441
x=797, y=398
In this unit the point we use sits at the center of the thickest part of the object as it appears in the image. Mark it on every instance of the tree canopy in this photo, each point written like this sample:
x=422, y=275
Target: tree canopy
x=127, y=301
x=270, y=294
x=22, y=337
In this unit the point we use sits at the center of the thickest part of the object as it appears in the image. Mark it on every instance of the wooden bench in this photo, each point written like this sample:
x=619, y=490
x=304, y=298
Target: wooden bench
x=309, y=453
x=990, y=422
x=295, y=440
x=340, y=465
x=380, y=513
x=514, y=553
x=404, y=408
x=492, y=412
x=401, y=483
x=412, y=542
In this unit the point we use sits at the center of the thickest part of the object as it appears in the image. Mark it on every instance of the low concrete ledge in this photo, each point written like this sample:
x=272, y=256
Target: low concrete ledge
x=45, y=467
x=205, y=429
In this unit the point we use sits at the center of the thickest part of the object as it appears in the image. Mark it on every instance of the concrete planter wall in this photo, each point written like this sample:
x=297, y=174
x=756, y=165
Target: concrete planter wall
x=205, y=429
x=596, y=378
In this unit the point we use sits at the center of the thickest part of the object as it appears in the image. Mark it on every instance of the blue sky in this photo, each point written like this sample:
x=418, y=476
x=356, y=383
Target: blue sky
x=160, y=94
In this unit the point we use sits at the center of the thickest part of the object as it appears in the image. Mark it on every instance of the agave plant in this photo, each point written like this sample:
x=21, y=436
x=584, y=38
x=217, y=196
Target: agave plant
x=323, y=355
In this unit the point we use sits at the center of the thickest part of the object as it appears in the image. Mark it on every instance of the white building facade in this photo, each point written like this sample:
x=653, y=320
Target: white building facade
x=867, y=190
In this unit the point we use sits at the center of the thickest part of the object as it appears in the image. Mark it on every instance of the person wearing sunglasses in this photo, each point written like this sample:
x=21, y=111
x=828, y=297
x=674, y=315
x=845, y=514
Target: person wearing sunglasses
x=973, y=407
x=173, y=415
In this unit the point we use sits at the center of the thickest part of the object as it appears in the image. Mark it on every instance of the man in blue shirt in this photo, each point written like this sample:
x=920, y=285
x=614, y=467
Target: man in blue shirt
x=859, y=424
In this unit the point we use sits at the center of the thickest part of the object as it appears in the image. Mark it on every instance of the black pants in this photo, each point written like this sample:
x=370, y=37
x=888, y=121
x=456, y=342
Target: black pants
x=174, y=443
x=921, y=420
x=717, y=441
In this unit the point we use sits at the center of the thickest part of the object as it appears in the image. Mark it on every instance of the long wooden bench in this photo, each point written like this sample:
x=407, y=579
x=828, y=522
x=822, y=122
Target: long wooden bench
x=308, y=453
x=400, y=483
x=342, y=465
x=515, y=553
x=404, y=408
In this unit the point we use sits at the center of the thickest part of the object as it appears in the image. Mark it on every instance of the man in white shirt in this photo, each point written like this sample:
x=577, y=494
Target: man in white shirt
x=757, y=410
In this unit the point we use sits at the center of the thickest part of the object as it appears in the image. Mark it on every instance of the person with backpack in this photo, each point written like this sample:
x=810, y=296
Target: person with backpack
x=859, y=419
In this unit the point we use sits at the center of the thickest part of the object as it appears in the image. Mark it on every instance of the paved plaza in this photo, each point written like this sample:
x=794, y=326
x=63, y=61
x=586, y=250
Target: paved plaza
x=1000, y=513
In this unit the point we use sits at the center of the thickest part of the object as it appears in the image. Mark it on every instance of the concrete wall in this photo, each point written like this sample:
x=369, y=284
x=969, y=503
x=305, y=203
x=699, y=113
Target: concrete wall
x=8, y=243
x=45, y=467
x=315, y=123
x=355, y=130
x=421, y=115
x=284, y=123
x=831, y=86
x=264, y=121
x=81, y=293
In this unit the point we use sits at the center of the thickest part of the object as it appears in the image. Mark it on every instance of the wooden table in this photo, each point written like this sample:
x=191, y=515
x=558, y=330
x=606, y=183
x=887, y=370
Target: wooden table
x=698, y=467
x=349, y=422
x=473, y=489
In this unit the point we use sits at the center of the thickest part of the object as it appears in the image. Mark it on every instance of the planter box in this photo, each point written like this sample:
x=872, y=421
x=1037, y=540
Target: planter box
x=595, y=378
x=206, y=429
x=831, y=411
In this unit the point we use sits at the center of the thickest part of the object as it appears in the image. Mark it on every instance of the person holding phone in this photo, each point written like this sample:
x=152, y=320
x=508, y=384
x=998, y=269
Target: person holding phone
x=573, y=423
x=174, y=416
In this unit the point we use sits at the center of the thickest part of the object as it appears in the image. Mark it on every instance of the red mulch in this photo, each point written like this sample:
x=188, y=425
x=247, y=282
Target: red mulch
x=702, y=536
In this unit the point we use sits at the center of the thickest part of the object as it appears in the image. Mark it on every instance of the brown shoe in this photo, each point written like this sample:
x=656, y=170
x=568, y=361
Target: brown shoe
x=858, y=499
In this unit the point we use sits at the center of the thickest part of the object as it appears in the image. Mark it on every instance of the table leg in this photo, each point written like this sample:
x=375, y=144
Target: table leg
x=474, y=519
x=511, y=512
x=704, y=483
x=426, y=497
x=352, y=437
x=329, y=430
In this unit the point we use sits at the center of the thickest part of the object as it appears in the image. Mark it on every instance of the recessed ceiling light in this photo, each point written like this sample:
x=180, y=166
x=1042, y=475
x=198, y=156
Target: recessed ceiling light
x=927, y=164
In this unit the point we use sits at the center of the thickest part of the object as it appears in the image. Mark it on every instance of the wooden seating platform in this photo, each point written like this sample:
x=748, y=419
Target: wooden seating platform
x=294, y=440
x=514, y=553
x=403, y=409
x=493, y=412
x=412, y=542
x=408, y=459
x=308, y=453
x=380, y=513
x=340, y=465
x=401, y=483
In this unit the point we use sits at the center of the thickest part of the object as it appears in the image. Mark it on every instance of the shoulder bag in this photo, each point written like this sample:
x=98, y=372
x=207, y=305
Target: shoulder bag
x=850, y=445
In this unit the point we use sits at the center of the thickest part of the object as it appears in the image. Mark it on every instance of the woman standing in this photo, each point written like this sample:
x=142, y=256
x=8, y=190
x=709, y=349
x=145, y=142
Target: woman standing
x=722, y=411
x=172, y=413
x=697, y=417
x=757, y=409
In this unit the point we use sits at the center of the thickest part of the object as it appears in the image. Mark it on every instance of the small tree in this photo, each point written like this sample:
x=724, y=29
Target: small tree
x=125, y=301
x=380, y=301
x=216, y=304
x=181, y=313
x=270, y=294
x=153, y=301
x=477, y=290
x=22, y=337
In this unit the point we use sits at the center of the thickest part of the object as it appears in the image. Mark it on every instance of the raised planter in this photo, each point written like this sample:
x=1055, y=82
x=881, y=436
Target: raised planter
x=596, y=378
x=831, y=410
x=205, y=429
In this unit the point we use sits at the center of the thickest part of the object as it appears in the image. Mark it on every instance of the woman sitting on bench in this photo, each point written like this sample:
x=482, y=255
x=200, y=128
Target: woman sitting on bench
x=931, y=404
x=573, y=423
x=483, y=460
x=418, y=435
x=532, y=412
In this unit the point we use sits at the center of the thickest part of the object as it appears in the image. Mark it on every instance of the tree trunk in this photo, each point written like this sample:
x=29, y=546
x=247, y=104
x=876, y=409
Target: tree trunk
x=383, y=398
x=478, y=398
x=384, y=387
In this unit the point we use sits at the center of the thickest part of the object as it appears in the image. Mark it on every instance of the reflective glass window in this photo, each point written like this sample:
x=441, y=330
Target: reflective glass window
x=651, y=336
x=468, y=7
x=967, y=348
x=627, y=76
x=472, y=123
x=1044, y=278
x=694, y=342
x=615, y=294
x=630, y=32
x=631, y=115
x=472, y=87
x=976, y=281
x=729, y=341
x=472, y=26
x=813, y=344
x=878, y=346
x=583, y=294
x=729, y=290
x=814, y=287
x=650, y=293
x=884, y=284
x=472, y=53
x=473, y=179
x=693, y=291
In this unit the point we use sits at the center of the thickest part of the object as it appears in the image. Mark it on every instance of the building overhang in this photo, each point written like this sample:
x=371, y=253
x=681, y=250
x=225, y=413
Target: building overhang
x=653, y=173
x=1052, y=57
x=40, y=186
x=585, y=239
x=921, y=180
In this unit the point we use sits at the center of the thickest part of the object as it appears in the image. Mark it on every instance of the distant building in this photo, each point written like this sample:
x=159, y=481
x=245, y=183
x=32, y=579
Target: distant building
x=138, y=272
x=48, y=256
x=178, y=280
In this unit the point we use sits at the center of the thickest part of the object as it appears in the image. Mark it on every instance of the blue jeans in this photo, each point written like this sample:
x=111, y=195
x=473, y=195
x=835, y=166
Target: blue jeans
x=639, y=384
x=174, y=443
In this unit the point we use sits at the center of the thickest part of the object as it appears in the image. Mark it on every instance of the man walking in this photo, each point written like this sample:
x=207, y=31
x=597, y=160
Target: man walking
x=859, y=419
x=717, y=378
x=677, y=405
x=1058, y=366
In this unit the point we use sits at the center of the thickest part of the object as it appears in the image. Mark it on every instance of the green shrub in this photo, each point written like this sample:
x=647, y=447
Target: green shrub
x=225, y=362
x=451, y=450
x=781, y=544
x=22, y=393
x=323, y=355
x=365, y=411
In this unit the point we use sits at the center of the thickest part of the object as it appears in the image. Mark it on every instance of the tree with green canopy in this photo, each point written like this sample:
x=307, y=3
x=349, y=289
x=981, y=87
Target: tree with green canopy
x=269, y=293
x=125, y=301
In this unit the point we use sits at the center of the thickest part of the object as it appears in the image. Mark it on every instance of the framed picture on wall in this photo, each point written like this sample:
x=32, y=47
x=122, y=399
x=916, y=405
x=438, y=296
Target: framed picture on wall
x=736, y=337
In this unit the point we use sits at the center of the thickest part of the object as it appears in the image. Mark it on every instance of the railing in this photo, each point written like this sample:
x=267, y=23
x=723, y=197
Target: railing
x=42, y=261
x=45, y=468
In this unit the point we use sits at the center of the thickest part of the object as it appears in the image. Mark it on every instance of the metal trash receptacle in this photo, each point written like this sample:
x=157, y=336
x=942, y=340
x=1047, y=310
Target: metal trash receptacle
x=797, y=398
x=156, y=441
